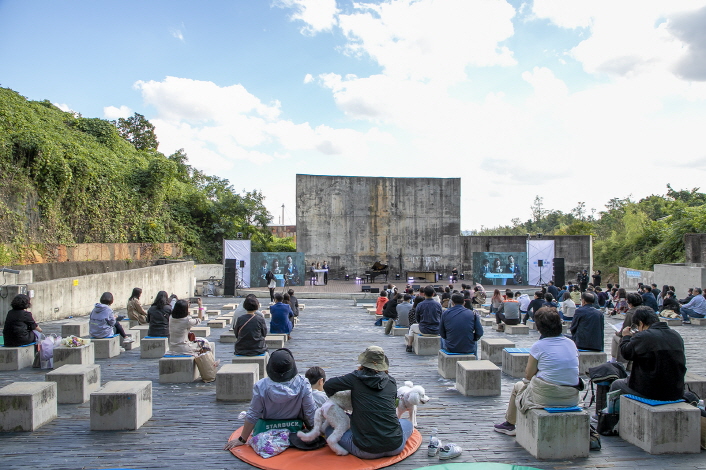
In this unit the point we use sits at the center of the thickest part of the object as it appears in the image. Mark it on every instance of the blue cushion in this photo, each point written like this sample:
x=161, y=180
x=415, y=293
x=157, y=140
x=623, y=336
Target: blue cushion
x=652, y=402
x=177, y=355
x=257, y=355
x=105, y=337
x=454, y=354
x=20, y=346
x=517, y=350
x=155, y=337
x=568, y=409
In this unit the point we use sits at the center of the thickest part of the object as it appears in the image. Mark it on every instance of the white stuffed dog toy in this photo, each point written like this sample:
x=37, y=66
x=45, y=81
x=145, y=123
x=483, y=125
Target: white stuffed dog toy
x=410, y=396
x=331, y=413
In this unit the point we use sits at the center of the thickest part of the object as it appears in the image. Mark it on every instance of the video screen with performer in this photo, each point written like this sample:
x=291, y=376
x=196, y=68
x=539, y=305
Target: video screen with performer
x=495, y=268
x=288, y=268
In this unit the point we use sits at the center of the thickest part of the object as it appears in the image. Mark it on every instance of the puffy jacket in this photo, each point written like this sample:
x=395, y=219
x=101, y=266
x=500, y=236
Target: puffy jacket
x=158, y=318
x=282, y=400
x=100, y=324
x=374, y=423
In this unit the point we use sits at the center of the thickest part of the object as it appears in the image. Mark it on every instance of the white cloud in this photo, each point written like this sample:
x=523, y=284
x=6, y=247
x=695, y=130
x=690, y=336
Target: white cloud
x=63, y=106
x=318, y=15
x=111, y=112
x=308, y=78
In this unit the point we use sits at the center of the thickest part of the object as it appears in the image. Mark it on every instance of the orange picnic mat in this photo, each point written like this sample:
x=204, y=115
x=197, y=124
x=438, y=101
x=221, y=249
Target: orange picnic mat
x=296, y=459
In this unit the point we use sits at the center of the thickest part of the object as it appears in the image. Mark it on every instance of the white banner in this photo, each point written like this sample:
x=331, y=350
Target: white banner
x=540, y=250
x=240, y=251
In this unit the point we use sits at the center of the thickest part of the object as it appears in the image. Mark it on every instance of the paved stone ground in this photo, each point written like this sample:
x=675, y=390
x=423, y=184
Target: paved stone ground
x=189, y=428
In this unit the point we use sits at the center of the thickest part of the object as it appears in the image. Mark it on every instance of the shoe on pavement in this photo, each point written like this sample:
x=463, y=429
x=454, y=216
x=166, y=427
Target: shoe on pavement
x=687, y=322
x=505, y=428
x=434, y=446
x=410, y=349
x=450, y=451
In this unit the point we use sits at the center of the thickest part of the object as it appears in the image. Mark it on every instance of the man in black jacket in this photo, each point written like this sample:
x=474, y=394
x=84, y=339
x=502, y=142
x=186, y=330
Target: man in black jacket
x=658, y=360
x=587, y=325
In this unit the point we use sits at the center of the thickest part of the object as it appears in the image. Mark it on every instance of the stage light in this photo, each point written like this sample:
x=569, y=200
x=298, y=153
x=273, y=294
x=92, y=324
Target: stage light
x=397, y=277
x=463, y=276
x=347, y=277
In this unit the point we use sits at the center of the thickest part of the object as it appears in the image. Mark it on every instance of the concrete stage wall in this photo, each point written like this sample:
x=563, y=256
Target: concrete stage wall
x=406, y=223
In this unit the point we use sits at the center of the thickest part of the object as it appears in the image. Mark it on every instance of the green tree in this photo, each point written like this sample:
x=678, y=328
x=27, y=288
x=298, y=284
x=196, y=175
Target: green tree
x=138, y=131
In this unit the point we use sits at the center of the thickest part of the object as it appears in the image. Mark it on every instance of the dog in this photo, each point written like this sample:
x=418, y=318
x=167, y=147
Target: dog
x=331, y=413
x=409, y=396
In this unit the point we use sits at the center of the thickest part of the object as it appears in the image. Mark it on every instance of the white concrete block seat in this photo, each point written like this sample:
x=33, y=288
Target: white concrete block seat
x=26, y=406
x=121, y=406
x=588, y=359
x=153, y=347
x=74, y=355
x=234, y=382
x=660, y=427
x=515, y=361
x=178, y=369
x=478, y=378
x=16, y=358
x=562, y=435
x=492, y=349
x=74, y=328
x=426, y=345
x=260, y=360
x=75, y=382
x=107, y=347
x=446, y=362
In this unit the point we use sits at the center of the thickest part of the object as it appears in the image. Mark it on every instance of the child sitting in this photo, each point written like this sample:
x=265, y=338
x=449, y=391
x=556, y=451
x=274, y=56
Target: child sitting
x=317, y=377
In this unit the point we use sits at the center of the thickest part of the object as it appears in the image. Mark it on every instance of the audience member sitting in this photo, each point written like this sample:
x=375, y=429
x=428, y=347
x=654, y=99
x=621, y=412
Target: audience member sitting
x=524, y=301
x=576, y=295
x=621, y=303
x=669, y=303
x=587, y=325
x=552, y=373
x=689, y=296
x=281, y=321
x=549, y=301
x=428, y=317
x=102, y=322
x=375, y=431
x=316, y=377
x=658, y=360
x=389, y=312
x=534, y=306
x=496, y=301
x=282, y=395
x=552, y=289
x=403, y=309
x=19, y=324
x=568, y=307
x=135, y=311
x=180, y=322
x=380, y=303
x=633, y=301
x=509, y=312
x=696, y=307
x=158, y=315
x=460, y=328
x=648, y=299
x=479, y=296
x=250, y=330
x=294, y=303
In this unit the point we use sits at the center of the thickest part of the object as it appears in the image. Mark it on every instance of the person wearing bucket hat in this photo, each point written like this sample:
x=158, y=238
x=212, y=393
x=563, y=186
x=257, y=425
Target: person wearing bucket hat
x=375, y=429
x=282, y=395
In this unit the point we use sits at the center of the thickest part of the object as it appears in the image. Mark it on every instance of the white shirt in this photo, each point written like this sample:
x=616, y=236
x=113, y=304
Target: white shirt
x=524, y=301
x=558, y=360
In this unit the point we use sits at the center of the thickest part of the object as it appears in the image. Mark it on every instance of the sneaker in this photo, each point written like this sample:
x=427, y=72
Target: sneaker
x=128, y=339
x=505, y=428
x=450, y=451
x=434, y=446
x=687, y=322
x=410, y=349
x=122, y=349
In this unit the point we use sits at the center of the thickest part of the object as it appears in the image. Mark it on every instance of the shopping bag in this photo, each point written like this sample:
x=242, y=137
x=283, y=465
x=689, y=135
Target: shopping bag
x=207, y=366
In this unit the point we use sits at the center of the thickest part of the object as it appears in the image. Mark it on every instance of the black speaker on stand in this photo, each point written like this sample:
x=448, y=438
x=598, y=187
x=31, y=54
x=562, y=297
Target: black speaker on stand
x=559, y=272
x=230, y=277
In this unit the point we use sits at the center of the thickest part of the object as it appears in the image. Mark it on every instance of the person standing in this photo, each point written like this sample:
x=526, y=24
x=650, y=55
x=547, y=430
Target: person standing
x=325, y=266
x=582, y=280
x=596, y=278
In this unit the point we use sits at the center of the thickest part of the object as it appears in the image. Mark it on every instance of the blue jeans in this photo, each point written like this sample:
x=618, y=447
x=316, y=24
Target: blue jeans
x=347, y=442
x=474, y=351
x=687, y=312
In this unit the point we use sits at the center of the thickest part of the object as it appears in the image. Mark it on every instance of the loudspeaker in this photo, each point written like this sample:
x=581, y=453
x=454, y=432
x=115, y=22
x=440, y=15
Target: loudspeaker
x=540, y=263
x=242, y=263
x=374, y=290
x=365, y=288
x=559, y=272
x=230, y=276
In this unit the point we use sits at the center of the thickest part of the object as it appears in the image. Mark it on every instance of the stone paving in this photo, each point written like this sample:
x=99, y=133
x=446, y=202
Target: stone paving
x=188, y=427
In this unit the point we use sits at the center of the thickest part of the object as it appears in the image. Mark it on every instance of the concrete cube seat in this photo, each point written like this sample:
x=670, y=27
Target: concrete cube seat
x=695, y=383
x=226, y=319
x=516, y=330
x=672, y=321
x=554, y=435
x=278, y=335
x=105, y=348
x=82, y=355
x=446, y=363
x=531, y=325
x=74, y=329
x=201, y=331
x=234, y=382
x=487, y=321
x=213, y=313
x=121, y=406
x=75, y=382
x=229, y=307
x=588, y=359
x=665, y=429
x=134, y=344
x=26, y=406
x=16, y=358
x=426, y=345
x=477, y=378
x=514, y=364
x=274, y=342
x=227, y=337
x=492, y=349
x=141, y=330
x=216, y=323
x=400, y=331
x=698, y=321
x=178, y=369
x=153, y=348
x=260, y=360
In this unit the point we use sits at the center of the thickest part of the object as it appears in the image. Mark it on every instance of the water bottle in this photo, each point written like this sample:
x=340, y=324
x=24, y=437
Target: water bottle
x=434, y=443
x=701, y=404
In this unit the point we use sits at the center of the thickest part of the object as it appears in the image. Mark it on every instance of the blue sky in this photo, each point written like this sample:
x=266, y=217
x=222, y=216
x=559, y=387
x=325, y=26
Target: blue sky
x=571, y=100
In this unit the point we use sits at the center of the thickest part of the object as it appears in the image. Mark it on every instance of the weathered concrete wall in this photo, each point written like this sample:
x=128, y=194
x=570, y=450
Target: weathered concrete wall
x=695, y=247
x=577, y=250
x=49, y=271
x=681, y=276
x=98, y=252
x=204, y=272
x=75, y=296
x=629, y=279
x=406, y=223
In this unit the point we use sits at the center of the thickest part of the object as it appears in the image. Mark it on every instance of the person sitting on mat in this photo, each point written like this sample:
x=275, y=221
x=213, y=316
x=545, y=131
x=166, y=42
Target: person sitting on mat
x=375, y=429
x=180, y=323
x=282, y=395
x=102, y=322
x=250, y=330
x=316, y=377
x=552, y=373
x=19, y=324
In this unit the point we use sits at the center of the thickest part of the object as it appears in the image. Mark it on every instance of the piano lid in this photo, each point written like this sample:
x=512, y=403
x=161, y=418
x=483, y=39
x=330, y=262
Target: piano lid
x=378, y=266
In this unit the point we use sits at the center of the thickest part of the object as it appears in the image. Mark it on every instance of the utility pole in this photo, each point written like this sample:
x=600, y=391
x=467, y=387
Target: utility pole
x=282, y=214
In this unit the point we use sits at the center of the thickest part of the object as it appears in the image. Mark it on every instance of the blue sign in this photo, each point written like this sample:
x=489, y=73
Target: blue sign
x=637, y=274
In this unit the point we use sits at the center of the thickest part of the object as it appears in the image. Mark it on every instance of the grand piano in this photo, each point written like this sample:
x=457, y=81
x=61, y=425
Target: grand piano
x=378, y=269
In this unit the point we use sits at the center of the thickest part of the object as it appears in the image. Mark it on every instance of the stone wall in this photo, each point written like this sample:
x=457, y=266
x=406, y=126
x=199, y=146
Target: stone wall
x=681, y=276
x=99, y=252
x=352, y=222
x=695, y=247
x=630, y=279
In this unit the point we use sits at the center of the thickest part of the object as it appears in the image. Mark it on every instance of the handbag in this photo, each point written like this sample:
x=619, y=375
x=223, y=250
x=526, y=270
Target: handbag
x=607, y=423
x=207, y=366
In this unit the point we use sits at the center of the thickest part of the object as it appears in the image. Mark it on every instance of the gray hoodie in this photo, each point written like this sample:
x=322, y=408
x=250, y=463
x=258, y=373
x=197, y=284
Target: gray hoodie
x=282, y=400
x=101, y=321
